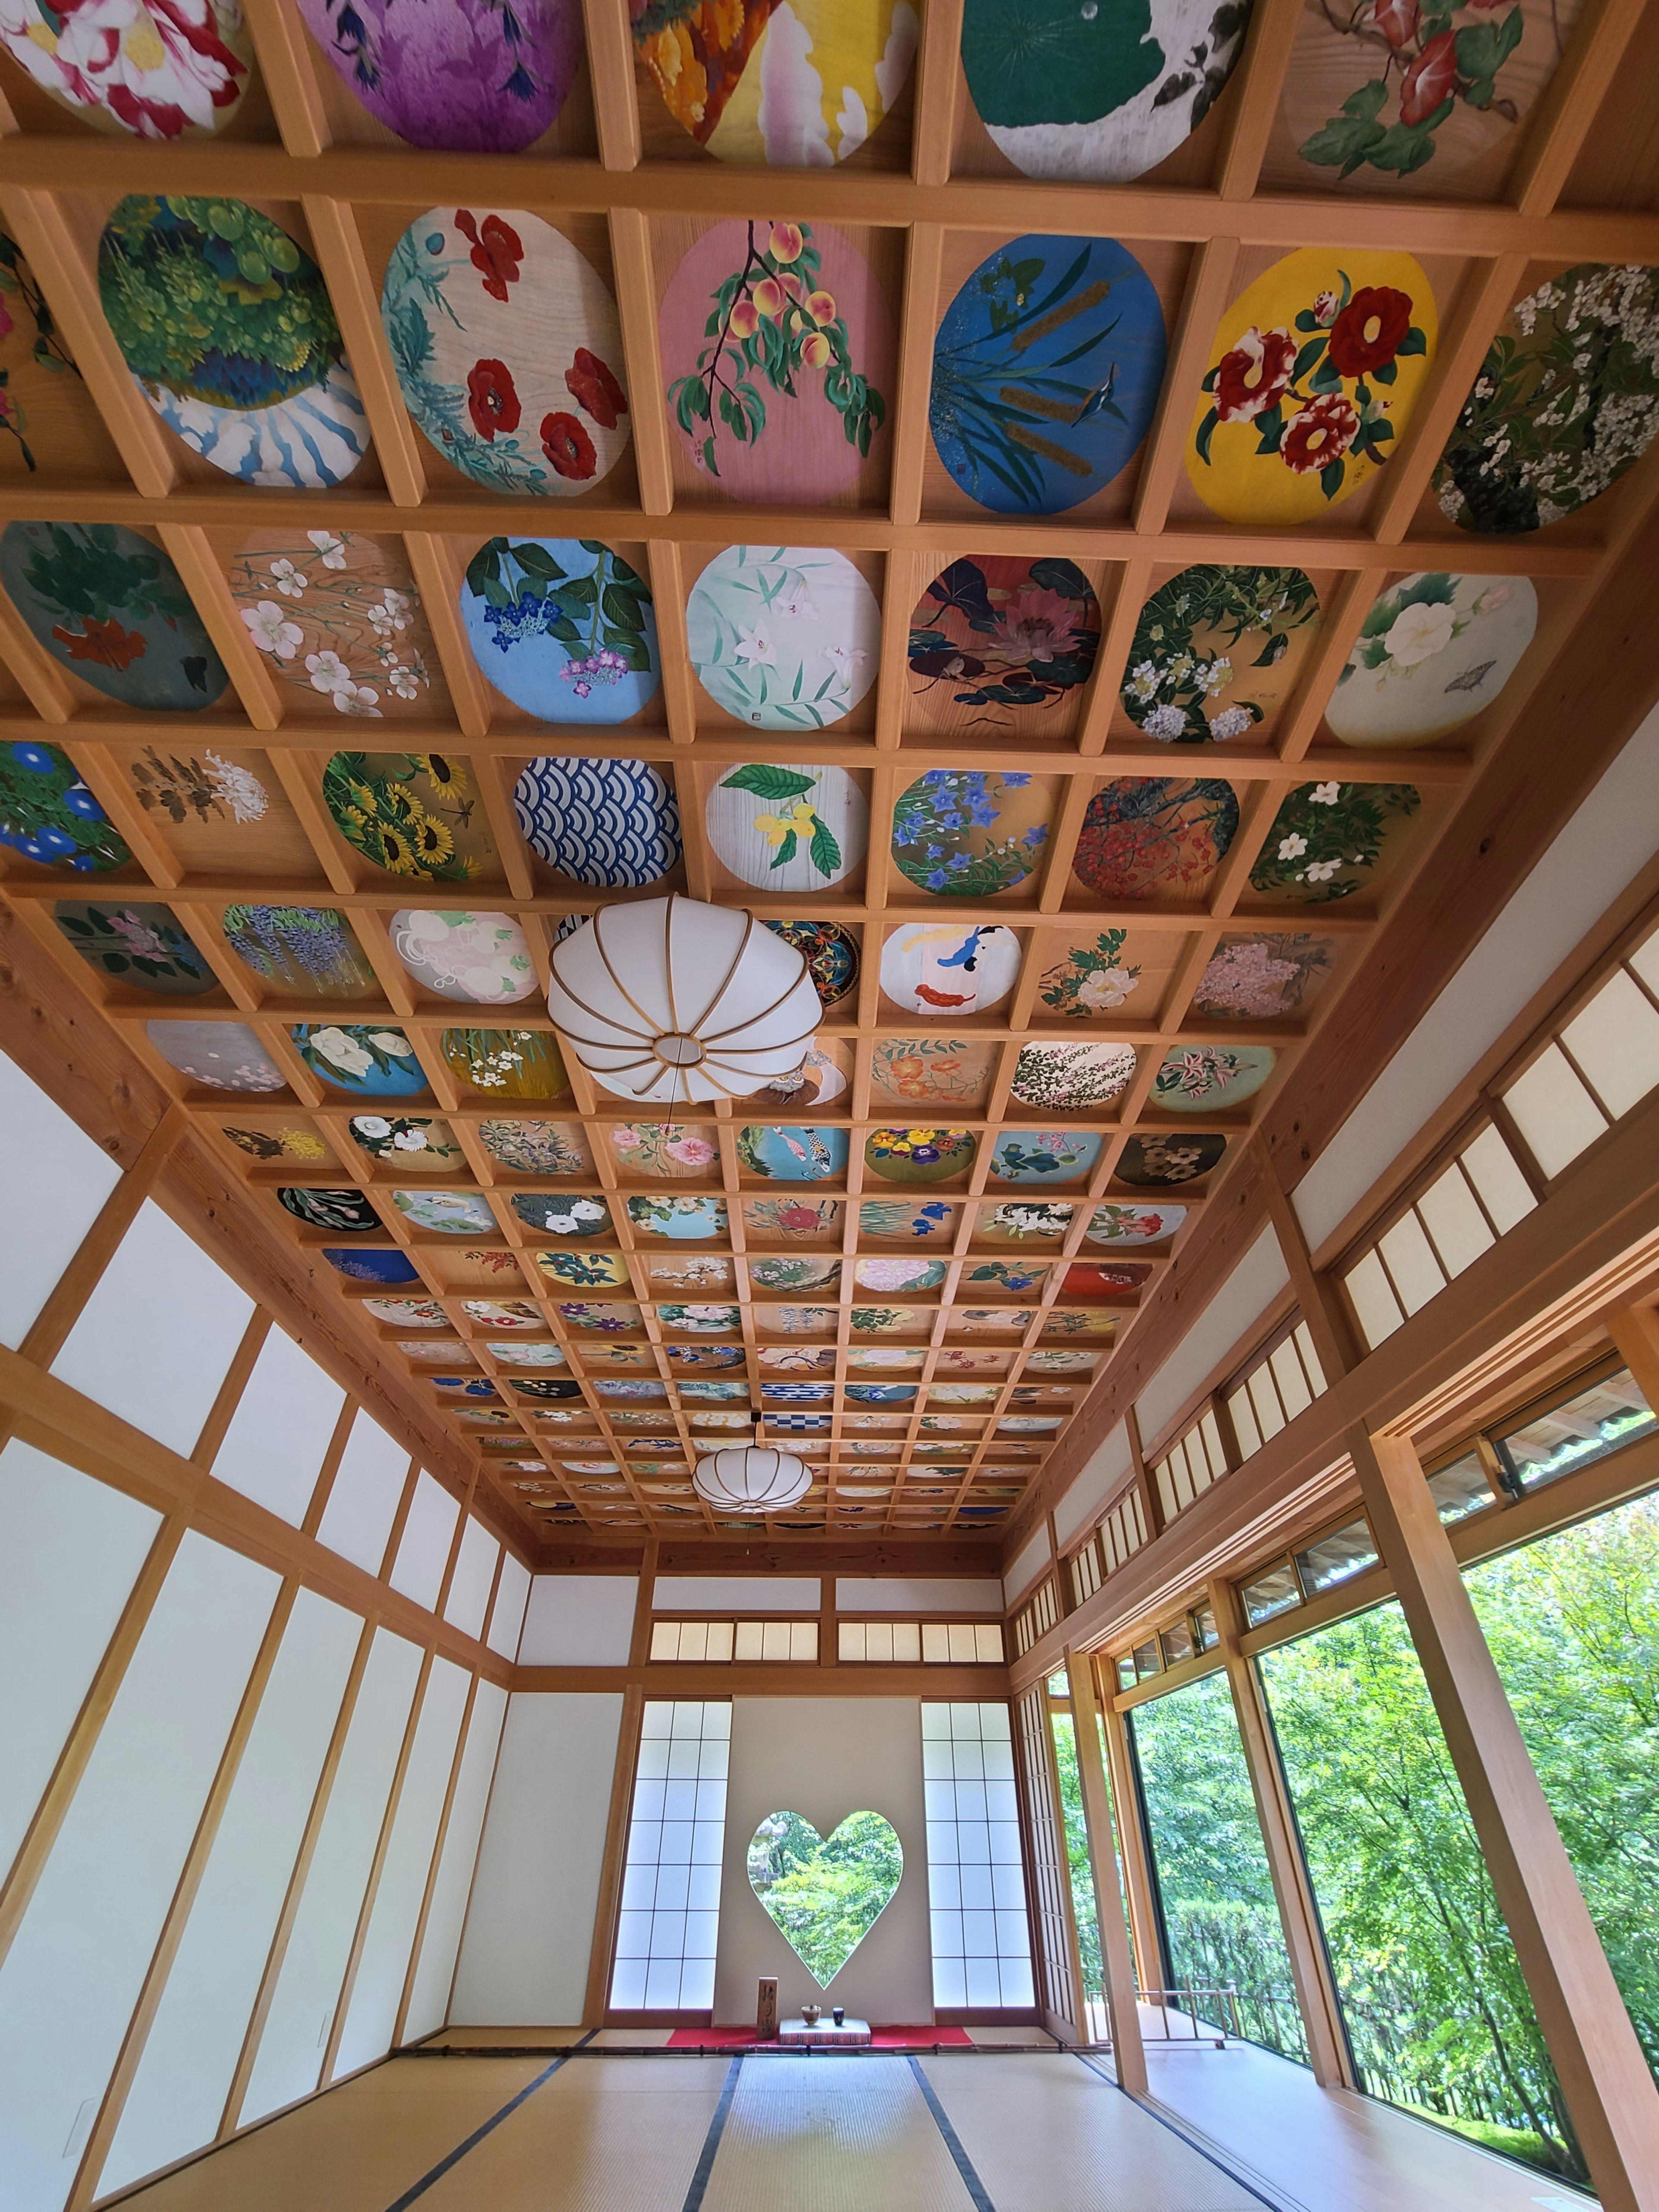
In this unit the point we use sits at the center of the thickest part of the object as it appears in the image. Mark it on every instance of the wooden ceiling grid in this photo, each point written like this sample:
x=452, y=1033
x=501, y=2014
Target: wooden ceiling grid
x=619, y=182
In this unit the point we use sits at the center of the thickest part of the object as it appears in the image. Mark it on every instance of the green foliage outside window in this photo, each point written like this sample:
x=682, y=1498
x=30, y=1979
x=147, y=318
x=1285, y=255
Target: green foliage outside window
x=825, y=1892
x=1077, y=1856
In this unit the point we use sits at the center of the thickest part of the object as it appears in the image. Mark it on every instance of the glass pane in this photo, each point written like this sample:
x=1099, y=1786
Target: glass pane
x=1208, y=1635
x=1271, y=1594
x=1344, y=1551
x=1126, y=1675
x=1439, y=2016
x=1587, y=1427
x=1077, y=1856
x=1177, y=1644
x=1573, y=1623
x=1147, y=1660
x=1215, y=1895
x=1462, y=1489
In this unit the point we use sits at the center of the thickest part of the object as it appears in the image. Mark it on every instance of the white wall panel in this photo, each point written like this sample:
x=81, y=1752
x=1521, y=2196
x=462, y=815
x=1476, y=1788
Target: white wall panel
x=156, y=1336
x=530, y=1929
x=56, y=1189
x=363, y=1501
x=68, y=1987
x=1245, y=1295
x=273, y=1449
x=190, y=2055
x=1099, y=1476
x=507, y=1615
x=378, y=1991
x=70, y=1549
x=1612, y=836
x=896, y=1594
x=428, y=2004
x=579, y=1620
x=737, y=1594
x=469, y=1586
x=1027, y=1566
x=424, y=1547
x=301, y=2012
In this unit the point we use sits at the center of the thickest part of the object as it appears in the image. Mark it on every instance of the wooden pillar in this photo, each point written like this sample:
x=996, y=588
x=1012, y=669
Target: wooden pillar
x=1298, y=1916
x=1132, y=1842
x=1117, y=1961
x=1604, y=2077
x=1635, y=1331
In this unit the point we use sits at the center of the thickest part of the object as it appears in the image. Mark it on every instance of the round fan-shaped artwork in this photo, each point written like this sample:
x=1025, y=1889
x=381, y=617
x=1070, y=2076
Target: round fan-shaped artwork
x=830, y=954
x=226, y=326
x=1217, y=652
x=694, y=1220
x=447, y=1212
x=1197, y=1078
x=300, y=951
x=47, y=813
x=1264, y=976
x=785, y=637
x=964, y=833
x=991, y=637
x=947, y=969
x=1313, y=374
x=563, y=627
x=672, y=1149
x=1020, y=1222
x=110, y=607
x=341, y=1211
x=792, y=1155
x=509, y=350
x=480, y=958
x=899, y=1274
x=140, y=945
x=787, y=826
x=226, y=1056
x=586, y=1271
x=160, y=69
x=387, y=1267
x=506, y=1063
x=559, y=1213
x=780, y=353
x=1072, y=1077
x=1134, y=1225
x=1434, y=650
x=919, y=1155
x=414, y=1144
x=1142, y=836
x=1551, y=421
x=1151, y=1163
x=535, y=1148
x=1089, y=94
x=1046, y=371
x=413, y=814
x=463, y=76
x=798, y=88
x=370, y=1062
x=336, y=616
x=609, y=822
x=1327, y=838
x=1055, y=1155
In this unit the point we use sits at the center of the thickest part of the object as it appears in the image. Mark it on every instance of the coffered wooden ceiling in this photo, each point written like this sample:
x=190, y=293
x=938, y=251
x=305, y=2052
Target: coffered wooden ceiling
x=1075, y=603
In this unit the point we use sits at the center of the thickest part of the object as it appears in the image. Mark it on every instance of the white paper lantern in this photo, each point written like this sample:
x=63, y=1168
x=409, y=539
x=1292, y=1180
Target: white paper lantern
x=673, y=1000
x=749, y=1478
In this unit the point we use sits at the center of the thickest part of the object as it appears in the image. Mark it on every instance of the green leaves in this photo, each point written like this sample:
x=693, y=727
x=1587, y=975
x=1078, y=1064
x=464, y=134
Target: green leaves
x=767, y=781
x=1347, y=140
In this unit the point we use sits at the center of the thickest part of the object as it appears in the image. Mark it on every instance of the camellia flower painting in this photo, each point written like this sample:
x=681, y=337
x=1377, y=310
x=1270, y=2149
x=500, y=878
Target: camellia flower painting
x=160, y=69
x=1313, y=376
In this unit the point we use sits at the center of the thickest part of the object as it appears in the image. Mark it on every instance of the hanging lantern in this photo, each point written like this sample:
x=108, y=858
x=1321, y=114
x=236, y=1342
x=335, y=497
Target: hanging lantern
x=673, y=1000
x=748, y=1478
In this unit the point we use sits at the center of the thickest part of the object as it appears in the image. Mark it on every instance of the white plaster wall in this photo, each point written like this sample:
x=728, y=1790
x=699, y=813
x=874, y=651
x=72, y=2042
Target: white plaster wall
x=897, y=1594
x=579, y=1620
x=1100, y=1472
x=529, y=1932
x=736, y=1594
x=1245, y=1295
x=824, y=1758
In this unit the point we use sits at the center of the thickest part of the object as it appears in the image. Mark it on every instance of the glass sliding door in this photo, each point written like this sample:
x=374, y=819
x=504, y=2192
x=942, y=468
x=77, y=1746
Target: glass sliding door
x=1215, y=1896
x=1439, y=2016
x=1080, y=1871
x=1573, y=1623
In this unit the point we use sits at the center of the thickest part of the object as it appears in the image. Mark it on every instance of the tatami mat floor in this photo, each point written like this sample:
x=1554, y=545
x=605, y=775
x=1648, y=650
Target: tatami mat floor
x=594, y=2131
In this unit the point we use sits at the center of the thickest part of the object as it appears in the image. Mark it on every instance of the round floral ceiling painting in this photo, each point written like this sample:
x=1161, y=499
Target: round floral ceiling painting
x=670, y=1148
x=919, y=1155
x=1217, y=652
x=787, y=826
x=779, y=349
x=412, y=814
x=1433, y=651
x=784, y=637
x=160, y=69
x=1313, y=374
x=1046, y=371
x=506, y=1063
x=228, y=1055
x=110, y=607
x=1264, y=976
x=341, y=1211
x=1327, y=837
x=1134, y=1225
x=1552, y=421
x=300, y=951
x=464, y=76
x=692, y=1219
x=414, y=1145
x=945, y=969
x=801, y=89
x=997, y=635
x=447, y=1212
x=535, y=1148
x=1054, y=1155
x=1085, y=94
x=1148, y=1163
x=387, y=1267
x=370, y=1062
x=507, y=348
x=831, y=956
x=481, y=957
x=563, y=627
x=601, y=822
x=1143, y=835
x=1072, y=1077
x=140, y=945
x=226, y=326
x=47, y=814
x=338, y=619
x=961, y=833
x=1196, y=1079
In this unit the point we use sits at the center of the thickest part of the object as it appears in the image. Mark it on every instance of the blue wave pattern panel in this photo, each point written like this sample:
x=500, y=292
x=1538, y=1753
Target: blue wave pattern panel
x=609, y=822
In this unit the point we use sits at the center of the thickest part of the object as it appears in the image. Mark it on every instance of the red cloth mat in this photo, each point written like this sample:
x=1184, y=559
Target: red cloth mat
x=881, y=2038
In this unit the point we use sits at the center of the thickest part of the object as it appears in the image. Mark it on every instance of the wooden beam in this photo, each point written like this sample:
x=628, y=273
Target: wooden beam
x=1603, y=2073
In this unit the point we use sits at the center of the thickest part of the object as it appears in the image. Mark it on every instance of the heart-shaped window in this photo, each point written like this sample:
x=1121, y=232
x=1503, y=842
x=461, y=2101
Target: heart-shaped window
x=825, y=1892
